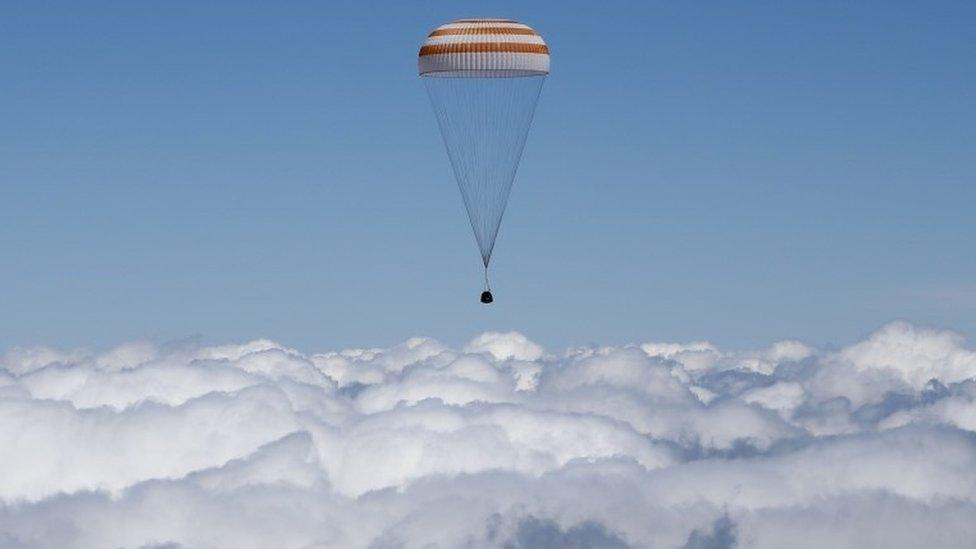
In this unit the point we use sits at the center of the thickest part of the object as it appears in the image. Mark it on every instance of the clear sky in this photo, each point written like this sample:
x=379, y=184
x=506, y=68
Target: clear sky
x=738, y=173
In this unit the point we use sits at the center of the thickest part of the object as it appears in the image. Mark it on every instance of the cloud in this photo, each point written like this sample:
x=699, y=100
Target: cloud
x=510, y=345
x=721, y=536
x=497, y=444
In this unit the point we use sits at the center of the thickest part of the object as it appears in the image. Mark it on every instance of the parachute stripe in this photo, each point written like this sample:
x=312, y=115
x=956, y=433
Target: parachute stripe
x=483, y=30
x=485, y=38
x=484, y=47
x=482, y=25
x=485, y=20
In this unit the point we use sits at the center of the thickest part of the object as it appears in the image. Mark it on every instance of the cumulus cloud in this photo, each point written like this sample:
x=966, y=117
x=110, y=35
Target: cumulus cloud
x=505, y=346
x=500, y=443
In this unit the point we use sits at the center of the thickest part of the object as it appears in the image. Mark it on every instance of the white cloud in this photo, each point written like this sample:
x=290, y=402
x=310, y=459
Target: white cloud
x=504, y=346
x=915, y=355
x=498, y=444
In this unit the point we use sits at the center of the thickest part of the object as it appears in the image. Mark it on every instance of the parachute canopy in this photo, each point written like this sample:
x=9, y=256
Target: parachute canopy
x=484, y=48
x=484, y=77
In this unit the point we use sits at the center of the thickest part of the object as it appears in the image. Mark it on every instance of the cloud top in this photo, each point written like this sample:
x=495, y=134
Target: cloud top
x=497, y=444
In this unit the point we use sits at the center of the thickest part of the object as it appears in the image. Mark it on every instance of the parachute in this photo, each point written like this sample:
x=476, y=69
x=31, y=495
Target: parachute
x=483, y=77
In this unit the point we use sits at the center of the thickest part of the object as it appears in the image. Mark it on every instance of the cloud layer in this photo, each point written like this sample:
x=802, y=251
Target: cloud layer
x=498, y=444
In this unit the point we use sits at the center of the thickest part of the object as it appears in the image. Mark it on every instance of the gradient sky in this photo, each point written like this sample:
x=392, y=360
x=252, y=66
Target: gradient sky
x=737, y=173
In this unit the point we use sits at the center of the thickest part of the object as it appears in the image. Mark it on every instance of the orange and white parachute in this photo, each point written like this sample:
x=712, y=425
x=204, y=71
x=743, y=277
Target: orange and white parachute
x=484, y=77
x=467, y=47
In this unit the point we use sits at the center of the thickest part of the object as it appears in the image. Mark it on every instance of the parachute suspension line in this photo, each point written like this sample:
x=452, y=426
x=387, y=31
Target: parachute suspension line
x=484, y=121
x=486, y=296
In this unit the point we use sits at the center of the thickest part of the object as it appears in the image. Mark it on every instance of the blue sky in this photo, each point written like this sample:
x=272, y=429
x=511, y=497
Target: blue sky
x=732, y=173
